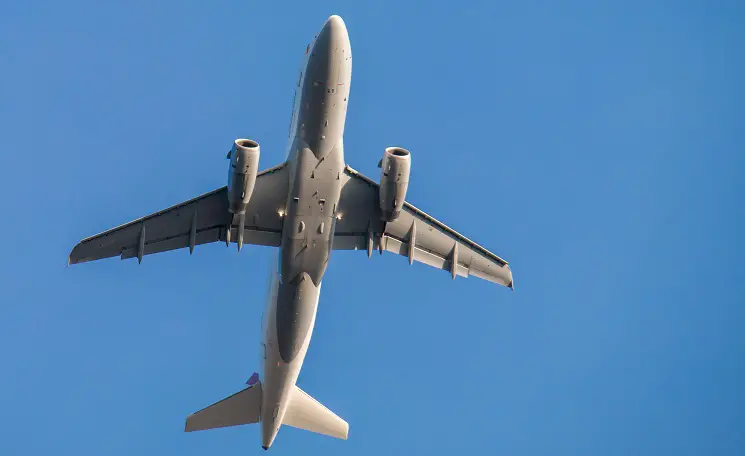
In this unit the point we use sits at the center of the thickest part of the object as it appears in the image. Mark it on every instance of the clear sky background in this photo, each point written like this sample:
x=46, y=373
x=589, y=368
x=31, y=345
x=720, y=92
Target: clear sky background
x=597, y=146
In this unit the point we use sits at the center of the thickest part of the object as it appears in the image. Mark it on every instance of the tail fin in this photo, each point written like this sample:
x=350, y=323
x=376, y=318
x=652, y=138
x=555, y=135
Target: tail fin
x=243, y=407
x=304, y=412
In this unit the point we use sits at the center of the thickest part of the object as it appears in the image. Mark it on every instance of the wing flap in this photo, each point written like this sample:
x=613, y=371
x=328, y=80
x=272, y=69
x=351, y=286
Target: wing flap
x=349, y=241
x=255, y=236
x=177, y=242
x=394, y=245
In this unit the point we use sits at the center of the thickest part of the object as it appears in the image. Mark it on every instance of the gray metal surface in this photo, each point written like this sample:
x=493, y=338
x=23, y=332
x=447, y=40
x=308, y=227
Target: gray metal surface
x=308, y=206
x=434, y=242
x=394, y=182
x=202, y=220
x=294, y=317
x=242, y=407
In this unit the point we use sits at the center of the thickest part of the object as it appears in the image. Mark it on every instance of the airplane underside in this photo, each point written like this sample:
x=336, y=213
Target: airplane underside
x=306, y=207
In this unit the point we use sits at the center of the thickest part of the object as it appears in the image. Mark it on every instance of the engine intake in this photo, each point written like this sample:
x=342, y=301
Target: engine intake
x=244, y=166
x=394, y=181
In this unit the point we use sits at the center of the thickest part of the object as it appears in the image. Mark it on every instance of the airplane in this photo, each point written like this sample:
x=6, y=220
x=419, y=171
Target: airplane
x=309, y=205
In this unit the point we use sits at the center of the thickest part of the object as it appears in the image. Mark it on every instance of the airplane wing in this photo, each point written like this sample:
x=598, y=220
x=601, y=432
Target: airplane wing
x=414, y=234
x=201, y=220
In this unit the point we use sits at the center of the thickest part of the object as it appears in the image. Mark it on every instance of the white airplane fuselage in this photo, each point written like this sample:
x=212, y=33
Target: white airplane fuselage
x=310, y=191
x=316, y=159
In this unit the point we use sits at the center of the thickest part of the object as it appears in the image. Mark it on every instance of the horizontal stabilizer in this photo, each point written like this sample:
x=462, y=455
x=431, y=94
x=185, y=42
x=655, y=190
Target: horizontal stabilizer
x=304, y=412
x=243, y=407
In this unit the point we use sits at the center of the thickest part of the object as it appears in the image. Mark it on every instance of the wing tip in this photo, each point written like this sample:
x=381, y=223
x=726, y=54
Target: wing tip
x=188, y=428
x=71, y=258
x=78, y=254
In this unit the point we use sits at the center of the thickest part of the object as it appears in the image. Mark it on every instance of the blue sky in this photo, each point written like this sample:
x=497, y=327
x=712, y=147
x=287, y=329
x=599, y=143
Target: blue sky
x=597, y=146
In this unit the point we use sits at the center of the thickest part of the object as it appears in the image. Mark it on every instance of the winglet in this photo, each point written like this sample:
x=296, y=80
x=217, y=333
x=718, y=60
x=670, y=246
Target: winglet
x=254, y=379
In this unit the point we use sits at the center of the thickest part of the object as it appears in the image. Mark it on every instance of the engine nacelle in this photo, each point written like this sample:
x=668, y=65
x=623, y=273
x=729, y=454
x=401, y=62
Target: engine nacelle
x=394, y=181
x=244, y=166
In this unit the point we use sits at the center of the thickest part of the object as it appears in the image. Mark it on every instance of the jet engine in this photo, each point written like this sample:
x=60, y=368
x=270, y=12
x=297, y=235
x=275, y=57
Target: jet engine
x=394, y=181
x=244, y=166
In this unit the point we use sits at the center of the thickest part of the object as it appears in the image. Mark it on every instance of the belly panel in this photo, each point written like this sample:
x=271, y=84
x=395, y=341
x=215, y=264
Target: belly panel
x=296, y=309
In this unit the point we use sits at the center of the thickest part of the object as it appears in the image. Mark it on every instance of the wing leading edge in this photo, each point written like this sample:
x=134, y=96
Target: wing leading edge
x=201, y=220
x=415, y=234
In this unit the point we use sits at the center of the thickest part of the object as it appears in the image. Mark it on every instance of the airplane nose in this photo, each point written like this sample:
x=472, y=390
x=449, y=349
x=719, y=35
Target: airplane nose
x=331, y=44
x=335, y=24
x=335, y=32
